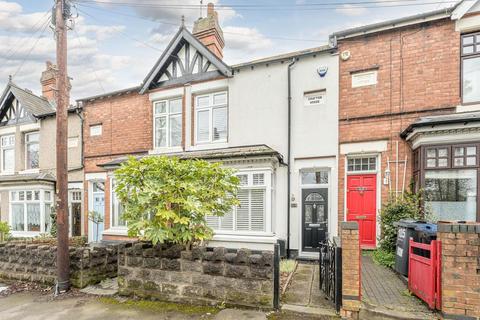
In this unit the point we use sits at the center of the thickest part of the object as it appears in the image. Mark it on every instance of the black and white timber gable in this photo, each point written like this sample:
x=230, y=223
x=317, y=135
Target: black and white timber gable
x=184, y=60
x=21, y=106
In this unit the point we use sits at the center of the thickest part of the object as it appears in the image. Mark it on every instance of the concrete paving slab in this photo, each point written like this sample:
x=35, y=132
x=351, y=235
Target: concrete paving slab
x=235, y=314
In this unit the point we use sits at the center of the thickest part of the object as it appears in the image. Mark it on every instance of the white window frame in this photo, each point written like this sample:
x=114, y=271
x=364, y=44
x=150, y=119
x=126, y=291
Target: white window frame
x=210, y=108
x=96, y=130
x=26, y=149
x=9, y=147
x=369, y=156
x=359, y=79
x=41, y=202
x=267, y=186
x=167, y=114
x=114, y=204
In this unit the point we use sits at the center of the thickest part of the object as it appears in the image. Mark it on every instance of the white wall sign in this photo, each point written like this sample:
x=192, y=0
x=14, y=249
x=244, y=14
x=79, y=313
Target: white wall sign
x=366, y=78
x=96, y=130
x=314, y=98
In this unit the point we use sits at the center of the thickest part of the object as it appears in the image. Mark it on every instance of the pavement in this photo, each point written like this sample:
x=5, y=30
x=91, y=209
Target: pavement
x=303, y=295
x=34, y=305
x=385, y=294
x=108, y=287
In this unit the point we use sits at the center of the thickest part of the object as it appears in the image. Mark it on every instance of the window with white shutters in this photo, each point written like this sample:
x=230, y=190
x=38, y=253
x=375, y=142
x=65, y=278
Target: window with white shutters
x=251, y=214
x=211, y=113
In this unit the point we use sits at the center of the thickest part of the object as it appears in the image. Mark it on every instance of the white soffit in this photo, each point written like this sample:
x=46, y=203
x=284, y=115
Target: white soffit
x=364, y=147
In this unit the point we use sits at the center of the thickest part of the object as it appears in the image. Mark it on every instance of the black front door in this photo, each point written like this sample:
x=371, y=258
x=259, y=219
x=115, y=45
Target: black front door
x=314, y=217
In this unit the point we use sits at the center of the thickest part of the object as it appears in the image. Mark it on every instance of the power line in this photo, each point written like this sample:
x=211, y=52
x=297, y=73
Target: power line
x=23, y=41
x=298, y=7
x=190, y=26
x=94, y=71
x=124, y=34
x=32, y=47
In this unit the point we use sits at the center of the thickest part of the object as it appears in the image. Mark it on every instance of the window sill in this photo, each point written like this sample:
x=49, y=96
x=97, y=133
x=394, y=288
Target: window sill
x=27, y=234
x=468, y=107
x=209, y=145
x=165, y=150
x=7, y=173
x=116, y=231
x=252, y=238
x=29, y=171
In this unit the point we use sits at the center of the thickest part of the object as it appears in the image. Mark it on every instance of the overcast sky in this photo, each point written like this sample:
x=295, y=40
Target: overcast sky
x=113, y=46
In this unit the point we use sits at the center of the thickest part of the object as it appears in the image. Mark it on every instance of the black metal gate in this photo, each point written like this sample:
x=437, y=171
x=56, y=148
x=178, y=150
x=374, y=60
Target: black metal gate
x=331, y=272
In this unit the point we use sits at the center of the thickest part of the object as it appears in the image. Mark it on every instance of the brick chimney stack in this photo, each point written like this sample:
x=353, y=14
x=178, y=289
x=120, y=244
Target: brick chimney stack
x=208, y=31
x=49, y=82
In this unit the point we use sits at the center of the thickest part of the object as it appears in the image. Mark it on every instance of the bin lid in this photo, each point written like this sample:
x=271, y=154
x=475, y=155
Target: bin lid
x=408, y=223
x=427, y=227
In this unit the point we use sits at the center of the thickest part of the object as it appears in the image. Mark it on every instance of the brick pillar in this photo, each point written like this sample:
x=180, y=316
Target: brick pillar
x=460, y=274
x=351, y=285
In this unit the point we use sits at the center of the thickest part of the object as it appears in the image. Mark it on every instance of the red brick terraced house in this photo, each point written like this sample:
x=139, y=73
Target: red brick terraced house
x=409, y=110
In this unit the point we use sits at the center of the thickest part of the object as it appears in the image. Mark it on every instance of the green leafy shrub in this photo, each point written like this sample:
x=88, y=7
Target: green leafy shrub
x=384, y=258
x=407, y=206
x=167, y=199
x=4, y=231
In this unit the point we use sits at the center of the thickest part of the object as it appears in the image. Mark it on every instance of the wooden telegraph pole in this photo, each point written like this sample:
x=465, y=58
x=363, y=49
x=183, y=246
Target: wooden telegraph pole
x=63, y=258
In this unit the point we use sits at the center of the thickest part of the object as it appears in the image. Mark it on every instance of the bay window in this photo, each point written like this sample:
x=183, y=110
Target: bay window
x=470, y=55
x=211, y=117
x=449, y=176
x=252, y=215
x=30, y=211
x=32, y=148
x=7, y=148
x=168, y=123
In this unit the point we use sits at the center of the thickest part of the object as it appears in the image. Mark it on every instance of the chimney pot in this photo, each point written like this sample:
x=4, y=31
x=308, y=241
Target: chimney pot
x=208, y=31
x=210, y=8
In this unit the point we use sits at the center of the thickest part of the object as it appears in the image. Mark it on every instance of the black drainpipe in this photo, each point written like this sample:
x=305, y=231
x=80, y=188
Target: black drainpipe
x=289, y=151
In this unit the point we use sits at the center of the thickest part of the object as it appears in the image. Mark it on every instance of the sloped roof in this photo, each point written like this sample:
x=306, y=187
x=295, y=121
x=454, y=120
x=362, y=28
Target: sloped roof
x=211, y=154
x=183, y=35
x=395, y=23
x=431, y=121
x=35, y=105
x=27, y=177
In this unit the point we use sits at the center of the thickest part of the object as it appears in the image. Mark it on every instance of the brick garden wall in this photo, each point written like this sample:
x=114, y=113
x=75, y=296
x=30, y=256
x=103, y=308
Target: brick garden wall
x=351, y=270
x=418, y=75
x=460, y=286
x=37, y=263
x=201, y=276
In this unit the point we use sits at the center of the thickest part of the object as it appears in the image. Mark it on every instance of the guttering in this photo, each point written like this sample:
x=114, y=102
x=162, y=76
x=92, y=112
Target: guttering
x=289, y=151
x=393, y=24
x=82, y=120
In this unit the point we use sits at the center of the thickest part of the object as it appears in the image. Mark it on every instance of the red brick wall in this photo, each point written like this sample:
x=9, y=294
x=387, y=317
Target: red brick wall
x=351, y=270
x=418, y=75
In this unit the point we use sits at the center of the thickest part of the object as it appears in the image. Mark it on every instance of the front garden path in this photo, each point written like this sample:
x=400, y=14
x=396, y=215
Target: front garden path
x=303, y=294
x=385, y=294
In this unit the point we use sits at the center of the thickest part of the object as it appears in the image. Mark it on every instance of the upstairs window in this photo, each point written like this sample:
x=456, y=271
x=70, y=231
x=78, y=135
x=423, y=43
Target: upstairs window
x=211, y=117
x=32, y=148
x=168, y=123
x=7, y=148
x=471, y=67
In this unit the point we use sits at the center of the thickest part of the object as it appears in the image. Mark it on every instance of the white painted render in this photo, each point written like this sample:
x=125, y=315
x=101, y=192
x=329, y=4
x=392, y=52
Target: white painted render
x=258, y=114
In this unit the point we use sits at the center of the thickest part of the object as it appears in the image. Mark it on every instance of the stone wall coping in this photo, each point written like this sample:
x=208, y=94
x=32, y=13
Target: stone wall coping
x=349, y=225
x=458, y=227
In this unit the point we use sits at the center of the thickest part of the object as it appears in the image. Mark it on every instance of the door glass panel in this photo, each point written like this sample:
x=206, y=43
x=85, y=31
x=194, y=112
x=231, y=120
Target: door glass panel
x=314, y=197
x=308, y=213
x=320, y=213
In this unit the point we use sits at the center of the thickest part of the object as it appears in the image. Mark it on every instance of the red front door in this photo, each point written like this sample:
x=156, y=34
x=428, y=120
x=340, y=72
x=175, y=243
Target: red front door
x=362, y=206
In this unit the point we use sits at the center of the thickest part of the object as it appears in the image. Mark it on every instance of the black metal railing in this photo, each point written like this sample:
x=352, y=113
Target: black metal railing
x=330, y=261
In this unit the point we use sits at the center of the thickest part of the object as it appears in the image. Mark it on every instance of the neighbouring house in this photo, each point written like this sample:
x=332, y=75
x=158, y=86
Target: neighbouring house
x=27, y=159
x=409, y=112
x=273, y=119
